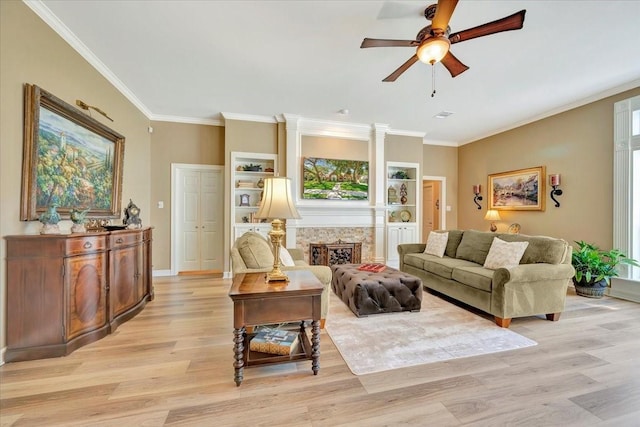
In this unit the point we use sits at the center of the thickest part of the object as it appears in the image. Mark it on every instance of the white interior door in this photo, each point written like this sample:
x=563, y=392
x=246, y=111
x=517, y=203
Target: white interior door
x=197, y=218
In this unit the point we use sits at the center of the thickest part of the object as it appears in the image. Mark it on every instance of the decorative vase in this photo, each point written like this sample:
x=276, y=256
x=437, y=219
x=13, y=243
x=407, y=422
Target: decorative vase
x=590, y=290
x=49, y=220
x=260, y=183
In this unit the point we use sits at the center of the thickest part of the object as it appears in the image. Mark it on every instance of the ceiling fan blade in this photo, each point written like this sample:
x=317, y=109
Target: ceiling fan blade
x=367, y=42
x=511, y=22
x=453, y=64
x=444, y=10
x=404, y=67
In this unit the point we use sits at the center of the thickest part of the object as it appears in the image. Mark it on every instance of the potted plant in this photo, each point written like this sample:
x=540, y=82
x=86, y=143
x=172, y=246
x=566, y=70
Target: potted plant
x=594, y=267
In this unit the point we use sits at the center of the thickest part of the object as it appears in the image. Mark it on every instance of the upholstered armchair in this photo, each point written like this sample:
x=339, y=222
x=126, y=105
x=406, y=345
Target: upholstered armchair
x=252, y=253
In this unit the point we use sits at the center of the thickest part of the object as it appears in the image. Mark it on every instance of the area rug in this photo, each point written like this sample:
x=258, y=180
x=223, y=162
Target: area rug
x=440, y=331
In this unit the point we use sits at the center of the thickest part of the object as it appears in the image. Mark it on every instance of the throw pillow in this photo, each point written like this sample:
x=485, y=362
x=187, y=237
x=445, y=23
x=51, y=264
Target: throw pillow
x=436, y=243
x=504, y=254
x=255, y=251
x=285, y=258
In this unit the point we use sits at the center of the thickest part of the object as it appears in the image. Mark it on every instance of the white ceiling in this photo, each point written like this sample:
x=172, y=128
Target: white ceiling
x=191, y=60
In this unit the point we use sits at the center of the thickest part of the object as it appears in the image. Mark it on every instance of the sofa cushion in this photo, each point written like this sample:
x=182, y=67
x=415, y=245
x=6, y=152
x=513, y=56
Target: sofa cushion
x=436, y=244
x=475, y=277
x=416, y=259
x=541, y=248
x=455, y=237
x=444, y=267
x=504, y=254
x=285, y=258
x=475, y=245
x=255, y=250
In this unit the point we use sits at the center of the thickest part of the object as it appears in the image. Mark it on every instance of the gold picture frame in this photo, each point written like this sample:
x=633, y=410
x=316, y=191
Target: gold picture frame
x=69, y=159
x=518, y=190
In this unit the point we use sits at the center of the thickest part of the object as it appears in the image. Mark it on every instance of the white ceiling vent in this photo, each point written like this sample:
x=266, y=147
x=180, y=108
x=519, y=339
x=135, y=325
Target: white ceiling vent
x=443, y=114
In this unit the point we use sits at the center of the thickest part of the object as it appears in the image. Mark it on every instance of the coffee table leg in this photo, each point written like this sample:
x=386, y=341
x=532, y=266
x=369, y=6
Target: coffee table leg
x=238, y=354
x=315, y=346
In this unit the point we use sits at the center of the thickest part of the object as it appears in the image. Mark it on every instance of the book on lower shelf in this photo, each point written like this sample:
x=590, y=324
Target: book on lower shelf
x=274, y=341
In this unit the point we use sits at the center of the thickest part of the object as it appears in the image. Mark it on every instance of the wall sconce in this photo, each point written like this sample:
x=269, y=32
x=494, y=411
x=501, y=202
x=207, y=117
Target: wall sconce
x=492, y=215
x=554, y=181
x=477, y=189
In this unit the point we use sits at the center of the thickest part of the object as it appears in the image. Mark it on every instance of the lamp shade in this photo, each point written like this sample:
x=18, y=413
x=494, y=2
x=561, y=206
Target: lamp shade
x=492, y=215
x=433, y=49
x=277, y=199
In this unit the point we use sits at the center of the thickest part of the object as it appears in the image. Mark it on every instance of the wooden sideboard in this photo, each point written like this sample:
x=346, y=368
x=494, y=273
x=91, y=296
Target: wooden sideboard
x=66, y=291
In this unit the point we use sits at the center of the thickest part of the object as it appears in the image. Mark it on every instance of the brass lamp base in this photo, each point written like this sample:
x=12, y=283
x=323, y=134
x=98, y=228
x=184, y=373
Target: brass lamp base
x=493, y=227
x=276, y=275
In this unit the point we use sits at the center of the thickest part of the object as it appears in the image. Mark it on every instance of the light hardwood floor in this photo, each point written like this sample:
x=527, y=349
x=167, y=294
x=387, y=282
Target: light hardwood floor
x=172, y=365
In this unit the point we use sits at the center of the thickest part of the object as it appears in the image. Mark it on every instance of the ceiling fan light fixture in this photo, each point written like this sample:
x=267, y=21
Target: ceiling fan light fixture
x=433, y=49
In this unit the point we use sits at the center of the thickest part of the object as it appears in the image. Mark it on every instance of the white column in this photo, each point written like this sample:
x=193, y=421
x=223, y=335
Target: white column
x=376, y=148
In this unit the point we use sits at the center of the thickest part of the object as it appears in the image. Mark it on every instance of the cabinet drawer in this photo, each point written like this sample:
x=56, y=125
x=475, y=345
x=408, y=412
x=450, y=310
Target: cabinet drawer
x=85, y=244
x=124, y=239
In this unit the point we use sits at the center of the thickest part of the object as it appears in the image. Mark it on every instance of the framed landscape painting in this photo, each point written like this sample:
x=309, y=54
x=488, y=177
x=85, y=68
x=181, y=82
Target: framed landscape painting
x=333, y=179
x=69, y=159
x=519, y=190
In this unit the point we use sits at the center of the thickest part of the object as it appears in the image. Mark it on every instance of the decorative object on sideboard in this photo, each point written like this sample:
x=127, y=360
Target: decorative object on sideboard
x=493, y=216
x=50, y=219
x=277, y=205
x=94, y=224
x=554, y=182
x=477, y=189
x=78, y=217
x=132, y=216
x=595, y=267
x=59, y=137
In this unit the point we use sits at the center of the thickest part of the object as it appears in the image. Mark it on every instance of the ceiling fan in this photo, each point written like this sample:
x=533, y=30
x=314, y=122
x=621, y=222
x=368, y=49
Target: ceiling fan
x=433, y=41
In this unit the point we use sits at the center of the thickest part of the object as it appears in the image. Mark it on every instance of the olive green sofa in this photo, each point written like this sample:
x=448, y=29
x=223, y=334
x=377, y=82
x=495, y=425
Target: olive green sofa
x=538, y=285
x=252, y=253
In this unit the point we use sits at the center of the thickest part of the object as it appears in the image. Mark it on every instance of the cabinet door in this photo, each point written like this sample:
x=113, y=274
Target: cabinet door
x=394, y=238
x=123, y=290
x=85, y=282
x=409, y=234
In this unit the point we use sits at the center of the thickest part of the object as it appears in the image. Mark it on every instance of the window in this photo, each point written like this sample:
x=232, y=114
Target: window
x=626, y=182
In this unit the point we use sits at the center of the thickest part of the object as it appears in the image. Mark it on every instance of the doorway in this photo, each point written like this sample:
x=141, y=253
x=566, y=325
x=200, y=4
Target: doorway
x=197, y=218
x=433, y=205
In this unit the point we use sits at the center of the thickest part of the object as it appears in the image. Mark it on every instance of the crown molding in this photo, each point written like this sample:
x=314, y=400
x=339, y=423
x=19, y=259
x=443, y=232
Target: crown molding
x=188, y=120
x=67, y=35
x=401, y=132
x=427, y=141
x=249, y=117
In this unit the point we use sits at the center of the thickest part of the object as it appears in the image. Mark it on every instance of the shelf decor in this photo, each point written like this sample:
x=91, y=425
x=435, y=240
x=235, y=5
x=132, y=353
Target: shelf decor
x=518, y=190
x=69, y=159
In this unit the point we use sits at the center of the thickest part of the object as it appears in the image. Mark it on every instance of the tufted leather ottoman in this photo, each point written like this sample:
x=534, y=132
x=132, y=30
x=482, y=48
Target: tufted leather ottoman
x=372, y=293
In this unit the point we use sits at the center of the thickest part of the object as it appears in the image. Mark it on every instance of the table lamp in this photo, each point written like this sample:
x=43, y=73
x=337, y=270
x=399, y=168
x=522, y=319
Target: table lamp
x=492, y=215
x=277, y=204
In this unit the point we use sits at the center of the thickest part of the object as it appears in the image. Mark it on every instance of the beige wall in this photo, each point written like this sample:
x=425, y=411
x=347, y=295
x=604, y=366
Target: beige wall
x=176, y=143
x=443, y=161
x=578, y=144
x=248, y=137
x=31, y=52
x=334, y=148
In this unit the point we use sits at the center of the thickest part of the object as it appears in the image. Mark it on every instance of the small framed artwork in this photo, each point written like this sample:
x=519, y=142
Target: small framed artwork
x=244, y=200
x=518, y=190
x=70, y=160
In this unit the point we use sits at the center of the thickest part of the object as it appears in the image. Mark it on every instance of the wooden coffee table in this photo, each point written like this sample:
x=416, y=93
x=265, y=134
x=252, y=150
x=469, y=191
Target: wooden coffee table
x=256, y=302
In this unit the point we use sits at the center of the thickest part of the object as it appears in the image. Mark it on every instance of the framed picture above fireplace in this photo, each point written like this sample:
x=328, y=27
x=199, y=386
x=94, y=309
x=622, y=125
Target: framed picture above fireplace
x=69, y=159
x=333, y=179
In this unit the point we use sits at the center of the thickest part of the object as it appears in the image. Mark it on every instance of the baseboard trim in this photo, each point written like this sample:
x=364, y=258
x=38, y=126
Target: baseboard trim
x=161, y=273
x=2, y=352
